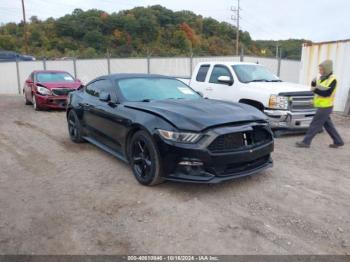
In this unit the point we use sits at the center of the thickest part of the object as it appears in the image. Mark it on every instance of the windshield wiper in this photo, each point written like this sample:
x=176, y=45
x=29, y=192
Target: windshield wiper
x=172, y=98
x=258, y=80
x=264, y=80
x=276, y=80
x=146, y=100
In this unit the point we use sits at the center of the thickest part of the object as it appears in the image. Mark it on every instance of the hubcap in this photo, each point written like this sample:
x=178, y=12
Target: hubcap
x=141, y=158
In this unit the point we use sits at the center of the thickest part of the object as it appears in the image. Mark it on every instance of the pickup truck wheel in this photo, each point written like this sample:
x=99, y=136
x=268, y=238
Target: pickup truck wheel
x=145, y=160
x=277, y=133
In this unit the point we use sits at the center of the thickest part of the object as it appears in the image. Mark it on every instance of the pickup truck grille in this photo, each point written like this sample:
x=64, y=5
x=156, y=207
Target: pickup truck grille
x=240, y=140
x=301, y=103
x=62, y=91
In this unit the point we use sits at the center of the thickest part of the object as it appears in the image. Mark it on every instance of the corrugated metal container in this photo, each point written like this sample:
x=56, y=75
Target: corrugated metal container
x=339, y=52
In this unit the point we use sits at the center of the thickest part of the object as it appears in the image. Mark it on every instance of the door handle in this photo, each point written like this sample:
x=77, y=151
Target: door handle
x=85, y=105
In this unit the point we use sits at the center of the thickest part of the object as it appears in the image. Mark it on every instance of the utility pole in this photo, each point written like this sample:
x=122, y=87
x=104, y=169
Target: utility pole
x=236, y=17
x=279, y=62
x=25, y=28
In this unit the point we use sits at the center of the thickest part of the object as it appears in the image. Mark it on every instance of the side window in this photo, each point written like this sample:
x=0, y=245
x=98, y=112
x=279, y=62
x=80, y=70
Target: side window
x=202, y=73
x=219, y=70
x=97, y=87
x=32, y=76
x=93, y=89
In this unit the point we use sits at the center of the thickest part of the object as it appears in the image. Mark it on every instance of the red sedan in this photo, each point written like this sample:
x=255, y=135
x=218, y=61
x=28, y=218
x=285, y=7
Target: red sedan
x=49, y=89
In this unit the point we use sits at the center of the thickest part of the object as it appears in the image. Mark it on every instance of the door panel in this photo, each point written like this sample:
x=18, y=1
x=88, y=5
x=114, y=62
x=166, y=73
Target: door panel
x=102, y=118
x=217, y=90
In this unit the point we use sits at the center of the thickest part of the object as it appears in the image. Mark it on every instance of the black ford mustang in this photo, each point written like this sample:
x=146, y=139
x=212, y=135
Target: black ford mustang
x=167, y=131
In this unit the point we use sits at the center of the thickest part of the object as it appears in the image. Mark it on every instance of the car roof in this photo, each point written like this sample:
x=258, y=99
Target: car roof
x=50, y=71
x=228, y=63
x=125, y=76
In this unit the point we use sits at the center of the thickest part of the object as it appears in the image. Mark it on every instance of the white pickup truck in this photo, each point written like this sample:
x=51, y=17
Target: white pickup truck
x=289, y=106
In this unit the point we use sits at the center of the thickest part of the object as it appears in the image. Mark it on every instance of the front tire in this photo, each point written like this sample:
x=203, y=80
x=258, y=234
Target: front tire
x=74, y=127
x=27, y=102
x=145, y=160
x=35, y=104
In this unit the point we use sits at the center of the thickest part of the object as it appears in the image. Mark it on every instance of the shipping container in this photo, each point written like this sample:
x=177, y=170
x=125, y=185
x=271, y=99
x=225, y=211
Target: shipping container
x=338, y=51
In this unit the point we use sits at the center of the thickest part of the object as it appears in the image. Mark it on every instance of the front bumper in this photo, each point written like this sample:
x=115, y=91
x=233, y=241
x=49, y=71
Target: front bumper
x=51, y=102
x=216, y=167
x=284, y=119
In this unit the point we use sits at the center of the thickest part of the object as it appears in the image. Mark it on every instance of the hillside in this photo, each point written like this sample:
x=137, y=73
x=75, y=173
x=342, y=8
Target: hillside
x=140, y=31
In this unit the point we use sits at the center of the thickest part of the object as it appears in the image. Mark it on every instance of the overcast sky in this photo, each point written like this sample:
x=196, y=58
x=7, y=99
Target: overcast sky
x=317, y=20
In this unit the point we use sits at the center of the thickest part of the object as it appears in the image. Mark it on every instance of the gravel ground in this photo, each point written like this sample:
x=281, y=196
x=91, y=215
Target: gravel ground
x=57, y=197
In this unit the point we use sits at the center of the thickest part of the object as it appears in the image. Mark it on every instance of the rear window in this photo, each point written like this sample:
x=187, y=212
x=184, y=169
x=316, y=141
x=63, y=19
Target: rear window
x=202, y=73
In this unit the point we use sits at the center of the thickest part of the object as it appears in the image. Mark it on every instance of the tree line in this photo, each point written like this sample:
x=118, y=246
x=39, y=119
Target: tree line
x=137, y=32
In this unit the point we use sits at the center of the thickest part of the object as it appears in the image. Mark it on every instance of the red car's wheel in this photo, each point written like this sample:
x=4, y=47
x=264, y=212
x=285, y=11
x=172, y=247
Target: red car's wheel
x=35, y=104
x=27, y=102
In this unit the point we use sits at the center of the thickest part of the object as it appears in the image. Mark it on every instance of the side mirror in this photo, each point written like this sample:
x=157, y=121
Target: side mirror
x=225, y=80
x=104, y=96
x=29, y=81
x=81, y=87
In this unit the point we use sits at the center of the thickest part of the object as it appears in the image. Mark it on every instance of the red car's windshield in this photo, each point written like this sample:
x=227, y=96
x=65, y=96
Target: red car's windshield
x=49, y=77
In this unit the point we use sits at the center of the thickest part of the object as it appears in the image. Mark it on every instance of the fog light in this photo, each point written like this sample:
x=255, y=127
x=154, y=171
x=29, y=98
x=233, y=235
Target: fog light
x=190, y=163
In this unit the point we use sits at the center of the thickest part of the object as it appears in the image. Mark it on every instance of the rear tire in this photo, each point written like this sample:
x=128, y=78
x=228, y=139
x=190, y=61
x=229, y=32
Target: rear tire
x=145, y=160
x=74, y=127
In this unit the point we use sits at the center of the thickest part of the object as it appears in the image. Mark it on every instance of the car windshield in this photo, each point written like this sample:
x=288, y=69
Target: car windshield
x=54, y=77
x=254, y=73
x=148, y=89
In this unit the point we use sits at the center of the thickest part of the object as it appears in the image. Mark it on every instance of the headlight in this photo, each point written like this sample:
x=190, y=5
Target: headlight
x=43, y=90
x=180, y=137
x=278, y=102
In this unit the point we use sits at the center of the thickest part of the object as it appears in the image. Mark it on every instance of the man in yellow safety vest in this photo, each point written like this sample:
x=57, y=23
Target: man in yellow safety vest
x=324, y=89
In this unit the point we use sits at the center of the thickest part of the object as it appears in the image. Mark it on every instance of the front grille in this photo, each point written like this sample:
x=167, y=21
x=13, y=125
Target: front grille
x=240, y=140
x=227, y=142
x=62, y=91
x=237, y=168
x=301, y=103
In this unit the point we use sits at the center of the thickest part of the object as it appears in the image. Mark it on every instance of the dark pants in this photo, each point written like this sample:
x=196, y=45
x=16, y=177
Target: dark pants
x=322, y=119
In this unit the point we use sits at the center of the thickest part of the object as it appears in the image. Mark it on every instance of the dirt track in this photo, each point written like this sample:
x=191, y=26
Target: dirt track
x=57, y=197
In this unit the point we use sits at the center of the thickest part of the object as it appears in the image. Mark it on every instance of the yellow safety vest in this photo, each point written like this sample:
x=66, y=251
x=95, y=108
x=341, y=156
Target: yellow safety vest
x=324, y=102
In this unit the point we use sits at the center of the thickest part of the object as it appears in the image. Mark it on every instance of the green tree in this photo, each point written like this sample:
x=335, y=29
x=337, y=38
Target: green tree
x=136, y=32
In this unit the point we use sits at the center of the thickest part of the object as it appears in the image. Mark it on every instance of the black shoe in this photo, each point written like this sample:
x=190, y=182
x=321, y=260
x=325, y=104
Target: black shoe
x=302, y=145
x=336, y=145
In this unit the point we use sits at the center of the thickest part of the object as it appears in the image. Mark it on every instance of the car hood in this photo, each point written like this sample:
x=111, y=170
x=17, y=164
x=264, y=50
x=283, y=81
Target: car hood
x=197, y=115
x=73, y=85
x=279, y=87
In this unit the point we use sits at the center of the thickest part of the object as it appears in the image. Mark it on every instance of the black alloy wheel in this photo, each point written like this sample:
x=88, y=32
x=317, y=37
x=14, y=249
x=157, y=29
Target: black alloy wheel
x=144, y=159
x=74, y=127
